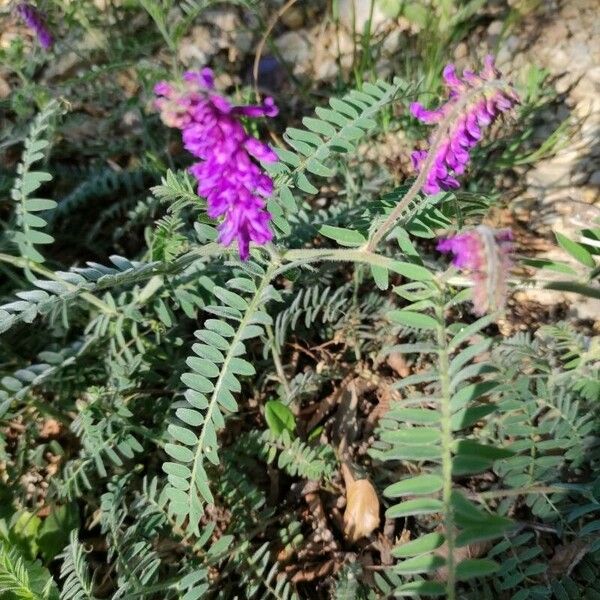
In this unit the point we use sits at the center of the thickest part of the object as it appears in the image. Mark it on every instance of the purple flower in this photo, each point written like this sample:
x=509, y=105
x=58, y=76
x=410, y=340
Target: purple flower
x=35, y=21
x=229, y=174
x=485, y=253
x=477, y=100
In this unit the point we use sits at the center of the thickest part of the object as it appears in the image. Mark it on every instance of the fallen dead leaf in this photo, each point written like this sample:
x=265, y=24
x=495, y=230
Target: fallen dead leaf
x=50, y=428
x=397, y=362
x=567, y=557
x=361, y=516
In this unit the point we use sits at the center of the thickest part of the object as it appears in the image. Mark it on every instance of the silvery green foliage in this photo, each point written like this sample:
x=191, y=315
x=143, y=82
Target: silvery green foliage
x=158, y=369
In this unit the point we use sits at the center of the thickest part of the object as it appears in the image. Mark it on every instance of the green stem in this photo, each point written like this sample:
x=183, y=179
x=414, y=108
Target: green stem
x=300, y=257
x=447, y=442
x=533, y=489
x=253, y=306
x=24, y=263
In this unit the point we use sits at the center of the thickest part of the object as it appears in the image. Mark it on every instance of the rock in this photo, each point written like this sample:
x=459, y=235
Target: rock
x=594, y=179
x=549, y=174
x=461, y=51
x=295, y=49
x=293, y=18
x=4, y=88
x=356, y=12
x=65, y=66
x=495, y=28
x=197, y=48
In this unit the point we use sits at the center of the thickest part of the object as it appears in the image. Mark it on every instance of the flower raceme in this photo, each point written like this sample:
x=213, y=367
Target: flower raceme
x=485, y=253
x=474, y=102
x=32, y=17
x=228, y=173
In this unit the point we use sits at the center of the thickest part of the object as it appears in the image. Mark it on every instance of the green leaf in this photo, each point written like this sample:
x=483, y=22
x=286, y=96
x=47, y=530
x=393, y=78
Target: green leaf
x=482, y=450
x=577, y=251
x=421, y=588
x=305, y=185
x=421, y=506
x=318, y=126
x=37, y=204
x=180, y=453
x=54, y=533
x=468, y=416
x=421, y=416
x=32, y=181
x=415, y=486
x=411, y=271
x=551, y=265
x=413, y=319
x=24, y=533
x=344, y=237
x=476, y=567
x=471, y=392
x=576, y=288
x=380, y=276
x=419, y=564
x=412, y=435
x=426, y=543
x=279, y=417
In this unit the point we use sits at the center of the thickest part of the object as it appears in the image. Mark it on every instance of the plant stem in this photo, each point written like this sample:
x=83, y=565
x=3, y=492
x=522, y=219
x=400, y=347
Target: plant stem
x=533, y=489
x=305, y=256
x=24, y=263
x=447, y=440
x=279, y=366
x=439, y=137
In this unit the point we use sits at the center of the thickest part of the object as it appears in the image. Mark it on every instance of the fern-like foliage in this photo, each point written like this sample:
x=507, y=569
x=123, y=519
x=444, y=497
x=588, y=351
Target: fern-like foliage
x=78, y=583
x=290, y=454
x=99, y=184
x=259, y=575
x=325, y=304
x=105, y=437
x=23, y=580
x=550, y=427
x=136, y=562
x=67, y=286
x=214, y=377
x=432, y=426
x=19, y=383
x=27, y=233
x=333, y=132
x=177, y=191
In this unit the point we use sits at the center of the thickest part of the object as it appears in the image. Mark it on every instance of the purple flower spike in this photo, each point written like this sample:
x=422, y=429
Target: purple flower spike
x=229, y=175
x=480, y=105
x=485, y=253
x=35, y=21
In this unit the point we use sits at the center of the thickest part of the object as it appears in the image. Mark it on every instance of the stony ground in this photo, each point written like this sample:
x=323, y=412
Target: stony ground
x=562, y=192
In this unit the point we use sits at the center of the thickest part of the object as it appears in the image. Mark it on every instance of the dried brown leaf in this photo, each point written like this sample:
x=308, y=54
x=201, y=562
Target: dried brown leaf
x=567, y=557
x=361, y=517
x=398, y=363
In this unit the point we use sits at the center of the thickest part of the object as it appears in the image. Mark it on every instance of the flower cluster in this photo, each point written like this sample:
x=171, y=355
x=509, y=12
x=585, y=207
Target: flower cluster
x=35, y=21
x=486, y=254
x=229, y=175
x=474, y=102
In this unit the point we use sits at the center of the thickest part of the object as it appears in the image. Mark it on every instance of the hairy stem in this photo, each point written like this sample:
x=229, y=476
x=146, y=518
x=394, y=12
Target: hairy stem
x=447, y=441
x=533, y=489
x=275, y=353
x=310, y=255
x=25, y=263
x=439, y=137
